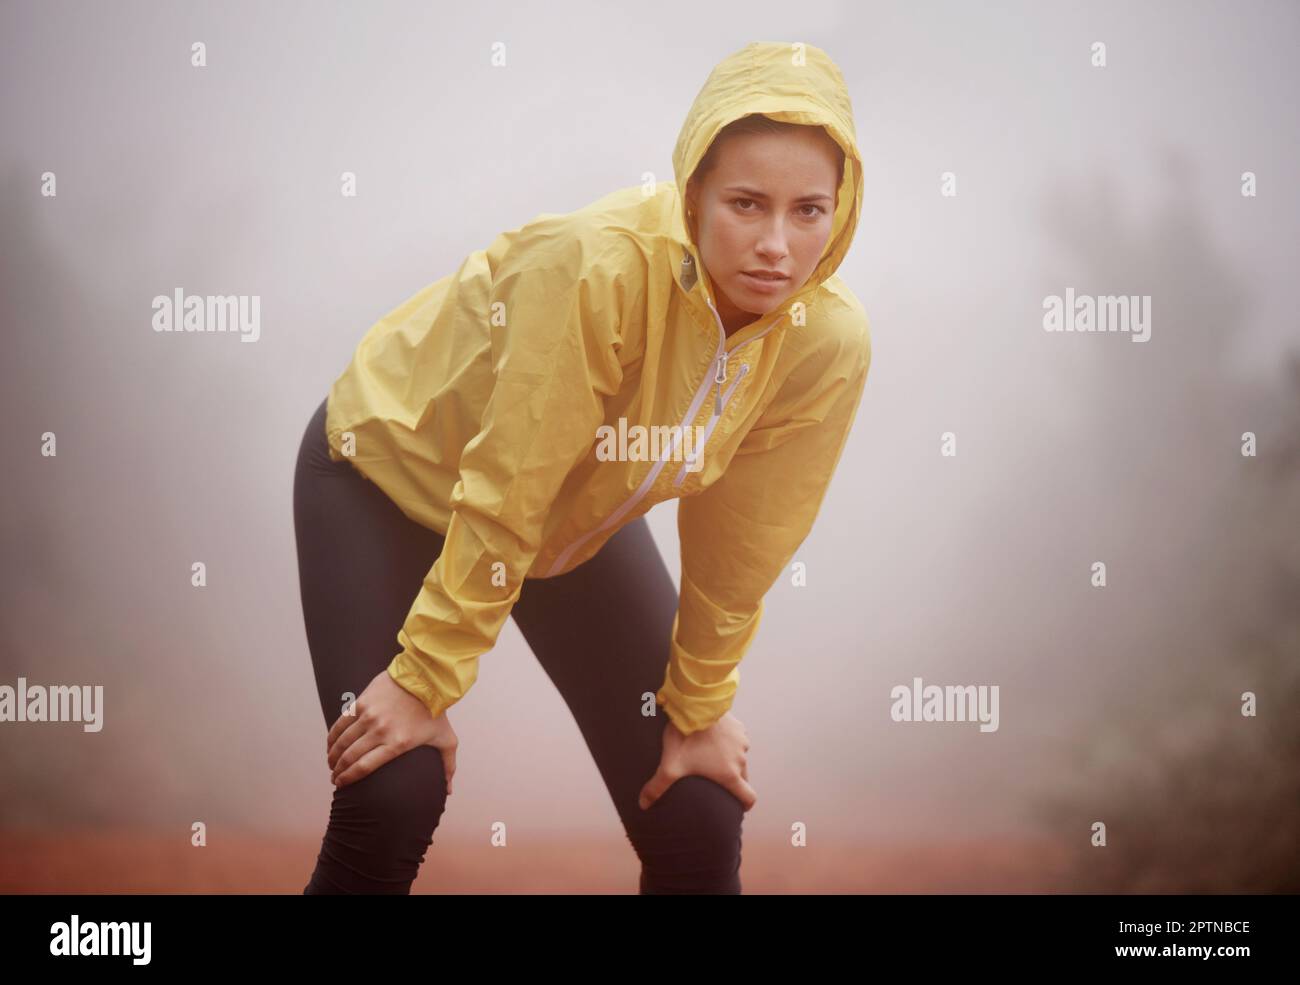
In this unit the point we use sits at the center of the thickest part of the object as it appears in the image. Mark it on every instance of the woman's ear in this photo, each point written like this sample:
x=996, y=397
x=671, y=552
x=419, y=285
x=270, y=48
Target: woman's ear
x=692, y=208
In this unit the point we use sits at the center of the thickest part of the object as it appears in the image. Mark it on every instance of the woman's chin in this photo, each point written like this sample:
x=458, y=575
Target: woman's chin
x=755, y=306
x=759, y=308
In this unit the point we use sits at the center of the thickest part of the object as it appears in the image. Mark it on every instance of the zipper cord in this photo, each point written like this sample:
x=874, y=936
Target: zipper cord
x=723, y=355
x=720, y=379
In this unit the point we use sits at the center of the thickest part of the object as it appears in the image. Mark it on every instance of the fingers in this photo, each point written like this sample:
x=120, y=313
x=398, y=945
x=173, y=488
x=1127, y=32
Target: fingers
x=345, y=732
x=354, y=752
x=338, y=728
x=655, y=787
x=743, y=792
x=449, y=766
x=367, y=764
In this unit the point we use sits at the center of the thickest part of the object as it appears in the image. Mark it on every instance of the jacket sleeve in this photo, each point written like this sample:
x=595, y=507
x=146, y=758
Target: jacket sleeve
x=551, y=367
x=740, y=533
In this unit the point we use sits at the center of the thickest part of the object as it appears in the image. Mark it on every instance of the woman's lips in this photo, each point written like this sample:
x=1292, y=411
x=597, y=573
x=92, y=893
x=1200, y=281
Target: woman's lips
x=765, y=285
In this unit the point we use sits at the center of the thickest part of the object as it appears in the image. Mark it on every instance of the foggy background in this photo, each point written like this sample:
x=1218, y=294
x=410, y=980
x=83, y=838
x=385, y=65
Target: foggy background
x=1119, y=705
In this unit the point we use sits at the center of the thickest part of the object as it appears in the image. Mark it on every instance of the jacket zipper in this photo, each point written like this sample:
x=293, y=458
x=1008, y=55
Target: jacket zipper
x=721, y=400
x=720, y=359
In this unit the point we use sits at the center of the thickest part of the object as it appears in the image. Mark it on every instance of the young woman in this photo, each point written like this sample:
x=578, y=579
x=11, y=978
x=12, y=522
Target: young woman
x=484, y=455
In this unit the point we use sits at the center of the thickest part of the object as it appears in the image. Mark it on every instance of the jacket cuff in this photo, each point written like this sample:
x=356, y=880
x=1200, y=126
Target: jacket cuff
x=693, y=694
x=405, y=670
x=691, y=714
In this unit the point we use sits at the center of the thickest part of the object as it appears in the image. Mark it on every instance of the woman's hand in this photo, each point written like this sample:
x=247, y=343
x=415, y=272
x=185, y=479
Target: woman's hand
x=717, y=752
x=388, y=721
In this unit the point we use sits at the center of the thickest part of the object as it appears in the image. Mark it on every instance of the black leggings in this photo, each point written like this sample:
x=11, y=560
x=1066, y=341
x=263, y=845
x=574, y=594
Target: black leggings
x=601, y=633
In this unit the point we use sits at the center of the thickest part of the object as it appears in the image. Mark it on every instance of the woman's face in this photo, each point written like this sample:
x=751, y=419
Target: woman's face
x=765, y=206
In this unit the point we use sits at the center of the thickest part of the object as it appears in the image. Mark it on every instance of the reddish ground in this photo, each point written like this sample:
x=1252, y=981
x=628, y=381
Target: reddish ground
x=131, y=861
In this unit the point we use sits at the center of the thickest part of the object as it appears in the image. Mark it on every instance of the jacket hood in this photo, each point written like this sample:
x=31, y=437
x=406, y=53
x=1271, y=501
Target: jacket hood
x=794, y=83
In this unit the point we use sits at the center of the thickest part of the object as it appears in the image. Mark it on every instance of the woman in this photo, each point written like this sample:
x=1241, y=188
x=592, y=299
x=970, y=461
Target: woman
x=491, y=429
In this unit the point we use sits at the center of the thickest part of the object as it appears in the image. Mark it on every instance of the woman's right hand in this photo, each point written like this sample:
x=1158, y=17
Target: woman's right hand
x=717, y=753
x=387, y=721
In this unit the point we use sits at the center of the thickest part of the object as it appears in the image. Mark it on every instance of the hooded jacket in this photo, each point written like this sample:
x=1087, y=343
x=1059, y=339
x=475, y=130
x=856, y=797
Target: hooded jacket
x=486, y=406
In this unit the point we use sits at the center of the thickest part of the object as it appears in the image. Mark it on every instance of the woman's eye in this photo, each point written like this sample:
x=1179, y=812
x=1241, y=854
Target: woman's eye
x=817, y=210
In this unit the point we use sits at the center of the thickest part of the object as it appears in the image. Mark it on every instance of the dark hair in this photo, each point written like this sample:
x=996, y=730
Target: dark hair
x=758, y=123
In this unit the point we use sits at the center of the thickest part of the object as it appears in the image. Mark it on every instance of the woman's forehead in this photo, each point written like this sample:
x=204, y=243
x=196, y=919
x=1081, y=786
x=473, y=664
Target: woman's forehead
x=777, y=160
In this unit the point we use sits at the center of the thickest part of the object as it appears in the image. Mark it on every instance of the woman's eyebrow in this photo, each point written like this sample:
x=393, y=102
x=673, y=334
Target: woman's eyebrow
x=755, y=193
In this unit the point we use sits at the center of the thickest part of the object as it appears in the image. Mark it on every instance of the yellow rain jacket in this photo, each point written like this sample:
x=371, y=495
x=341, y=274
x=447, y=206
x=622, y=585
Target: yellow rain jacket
x=475, y=406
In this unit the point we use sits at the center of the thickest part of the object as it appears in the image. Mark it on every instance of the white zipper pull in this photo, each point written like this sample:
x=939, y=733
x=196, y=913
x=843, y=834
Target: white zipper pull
x=720, y=378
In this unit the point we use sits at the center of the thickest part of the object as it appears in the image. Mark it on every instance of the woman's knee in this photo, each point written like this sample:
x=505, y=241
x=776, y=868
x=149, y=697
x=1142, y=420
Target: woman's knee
x=381, y=826
x=689, y=840
x=406, y=795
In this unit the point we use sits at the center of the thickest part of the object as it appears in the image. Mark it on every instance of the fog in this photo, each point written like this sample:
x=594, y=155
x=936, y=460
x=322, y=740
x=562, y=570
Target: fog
x=1119, y=704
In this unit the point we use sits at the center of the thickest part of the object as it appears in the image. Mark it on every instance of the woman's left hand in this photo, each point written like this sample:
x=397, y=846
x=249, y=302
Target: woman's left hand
x=717, y=752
